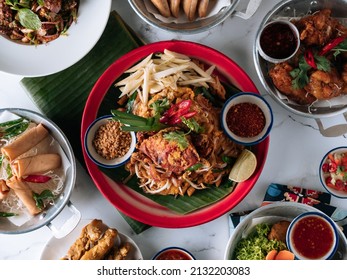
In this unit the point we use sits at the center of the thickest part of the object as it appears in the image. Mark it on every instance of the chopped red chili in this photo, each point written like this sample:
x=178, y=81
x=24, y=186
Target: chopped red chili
x=309, y=57
x=37, y=178
x=176, y=112
x=328, y=47
x=245, y=119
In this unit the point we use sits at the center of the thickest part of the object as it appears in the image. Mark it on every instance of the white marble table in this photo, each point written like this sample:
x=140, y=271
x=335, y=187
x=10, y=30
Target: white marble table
x=296, y=147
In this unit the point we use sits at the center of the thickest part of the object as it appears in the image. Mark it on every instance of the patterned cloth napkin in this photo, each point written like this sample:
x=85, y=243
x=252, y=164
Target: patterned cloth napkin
x=317, y=199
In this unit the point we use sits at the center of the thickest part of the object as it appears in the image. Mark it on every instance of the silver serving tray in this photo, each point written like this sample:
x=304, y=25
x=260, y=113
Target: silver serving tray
x=290, y=9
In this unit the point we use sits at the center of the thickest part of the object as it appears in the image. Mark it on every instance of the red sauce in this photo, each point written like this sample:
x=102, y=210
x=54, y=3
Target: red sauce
x=245, y=119
x=278, y=40
x=174, y=255
x=312, y=237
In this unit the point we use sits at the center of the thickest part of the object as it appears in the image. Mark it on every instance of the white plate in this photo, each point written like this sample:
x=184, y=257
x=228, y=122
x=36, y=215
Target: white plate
x=59, y=54
x=55, y=248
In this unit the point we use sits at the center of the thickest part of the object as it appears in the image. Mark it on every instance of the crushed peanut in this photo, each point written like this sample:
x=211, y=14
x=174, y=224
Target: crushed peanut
x=110, y=141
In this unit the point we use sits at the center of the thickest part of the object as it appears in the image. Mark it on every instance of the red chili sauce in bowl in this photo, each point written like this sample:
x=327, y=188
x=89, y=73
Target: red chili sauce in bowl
x=312, y=237
x=245, y=119
x=174, y=254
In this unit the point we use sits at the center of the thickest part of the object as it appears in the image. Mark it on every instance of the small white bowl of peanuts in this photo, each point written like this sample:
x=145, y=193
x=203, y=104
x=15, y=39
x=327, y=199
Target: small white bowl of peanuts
x=106, y=144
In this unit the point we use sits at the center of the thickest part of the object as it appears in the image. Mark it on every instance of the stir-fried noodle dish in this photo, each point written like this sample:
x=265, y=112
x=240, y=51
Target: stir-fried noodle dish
x=173, y=103
x=36, y=21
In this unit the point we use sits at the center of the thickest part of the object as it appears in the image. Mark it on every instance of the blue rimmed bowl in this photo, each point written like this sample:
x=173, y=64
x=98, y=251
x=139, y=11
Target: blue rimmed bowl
x=312, y=236
x=253, y=98
x=92, y=153
x=333, y=172
x=173, y=253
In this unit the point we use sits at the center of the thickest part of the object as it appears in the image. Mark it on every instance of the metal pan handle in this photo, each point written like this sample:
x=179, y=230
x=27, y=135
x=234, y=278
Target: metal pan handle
x=252, y=7
x=68, y=225
x=333, y=131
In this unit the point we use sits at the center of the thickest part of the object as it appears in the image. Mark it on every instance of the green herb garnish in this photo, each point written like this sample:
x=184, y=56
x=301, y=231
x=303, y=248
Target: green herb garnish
x=179, y=137
x=193, y=125
x=26, y=17
x=136, y=123
x=40, y=198
x=300, y=74
x=7, y=214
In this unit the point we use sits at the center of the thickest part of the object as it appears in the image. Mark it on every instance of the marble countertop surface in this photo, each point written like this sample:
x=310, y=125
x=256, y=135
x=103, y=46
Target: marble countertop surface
x=296, y=148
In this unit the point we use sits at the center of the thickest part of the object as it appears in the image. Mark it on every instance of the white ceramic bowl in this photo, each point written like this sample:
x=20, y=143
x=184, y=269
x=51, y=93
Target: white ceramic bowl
x=312, y=228
x=248, y=97
x=94, y=156
x=296, y=35
x=178, y=254
x=271, y=214
x=323, y=175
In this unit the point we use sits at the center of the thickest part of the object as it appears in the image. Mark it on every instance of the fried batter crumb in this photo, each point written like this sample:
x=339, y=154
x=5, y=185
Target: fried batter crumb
x=110, y=141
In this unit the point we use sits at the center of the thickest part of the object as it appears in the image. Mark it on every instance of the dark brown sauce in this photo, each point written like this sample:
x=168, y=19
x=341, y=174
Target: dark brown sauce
x=278, y=40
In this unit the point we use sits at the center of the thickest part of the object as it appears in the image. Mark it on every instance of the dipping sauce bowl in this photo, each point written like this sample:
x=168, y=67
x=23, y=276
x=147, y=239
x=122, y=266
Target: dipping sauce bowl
x=278, y=41
x=173, y=253
x=312, y=236
x=246, y=118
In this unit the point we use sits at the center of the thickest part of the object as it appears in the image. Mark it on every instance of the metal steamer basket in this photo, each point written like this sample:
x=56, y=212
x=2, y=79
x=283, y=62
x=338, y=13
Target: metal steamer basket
x=58, y=221
x=291, y=9
x=229, y=8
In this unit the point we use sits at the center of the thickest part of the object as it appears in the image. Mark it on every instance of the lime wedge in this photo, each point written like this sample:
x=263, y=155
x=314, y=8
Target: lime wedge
x=243, y=167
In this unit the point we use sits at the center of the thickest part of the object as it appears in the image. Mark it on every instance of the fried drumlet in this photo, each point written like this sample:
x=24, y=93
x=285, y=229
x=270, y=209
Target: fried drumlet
x=280, y=75
x=190, y=7
x=278, y=231
x=318, y=29
x=325, y=85
x=97, y=242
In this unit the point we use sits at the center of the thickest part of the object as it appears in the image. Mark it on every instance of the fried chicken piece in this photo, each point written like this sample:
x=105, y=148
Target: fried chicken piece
x=120, y=253
x=325, y=85
x=280, y=75
x=278, y=231
x=90, y=234
x=318, y=29
x=103, y=247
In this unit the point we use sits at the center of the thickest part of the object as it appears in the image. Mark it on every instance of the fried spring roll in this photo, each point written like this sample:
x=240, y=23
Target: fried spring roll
x=4, y=189
x=37, y=164
x=189, y=7
x=202, y=9
x=103, y=246
x=163, y=7
x=24, y=193
x=25, y=142
x=175, y=7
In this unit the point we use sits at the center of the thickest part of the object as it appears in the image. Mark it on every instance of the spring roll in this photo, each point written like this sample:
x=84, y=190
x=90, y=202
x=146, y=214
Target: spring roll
x=25, y=142
x=4, y=189
x=103, y=246
x=37, y=164
x=24, y=193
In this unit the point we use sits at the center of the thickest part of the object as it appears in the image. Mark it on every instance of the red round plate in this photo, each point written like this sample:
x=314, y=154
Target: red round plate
x=129, y=201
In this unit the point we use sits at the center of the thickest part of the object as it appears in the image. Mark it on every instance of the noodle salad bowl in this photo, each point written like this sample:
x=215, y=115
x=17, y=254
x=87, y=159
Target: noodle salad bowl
x=169, y=205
